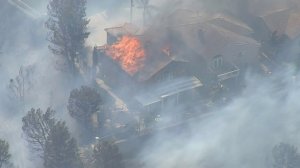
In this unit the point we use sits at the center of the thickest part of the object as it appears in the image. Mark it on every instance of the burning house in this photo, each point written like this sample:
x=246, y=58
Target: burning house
x=165, y=63
x=151, y=73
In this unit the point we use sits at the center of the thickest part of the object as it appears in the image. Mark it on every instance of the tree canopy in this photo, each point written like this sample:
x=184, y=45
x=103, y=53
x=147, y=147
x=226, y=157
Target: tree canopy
x=106, y=154
x=4, y=153
x=67, y=24
x=286, y=156
x=83, y=103
x=61, y=149
x=37, y=126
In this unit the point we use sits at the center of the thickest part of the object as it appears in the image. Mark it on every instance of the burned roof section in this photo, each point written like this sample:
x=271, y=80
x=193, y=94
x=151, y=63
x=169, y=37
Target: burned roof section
x=186, y=40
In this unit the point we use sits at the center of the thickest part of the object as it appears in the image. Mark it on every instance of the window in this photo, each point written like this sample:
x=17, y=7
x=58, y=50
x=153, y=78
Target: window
x=164, y=76
x=170, y=76
x=217, y=62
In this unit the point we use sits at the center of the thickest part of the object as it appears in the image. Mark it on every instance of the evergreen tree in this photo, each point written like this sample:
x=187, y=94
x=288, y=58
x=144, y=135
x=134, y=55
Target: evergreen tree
x=286, y=156
x=4, y=153
x=68, y=30
x=61, y=150
x=106, y=154
x=37, y=126
x=83, y=103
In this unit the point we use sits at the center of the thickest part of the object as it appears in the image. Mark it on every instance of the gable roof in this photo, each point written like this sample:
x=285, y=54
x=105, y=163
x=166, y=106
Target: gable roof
x=263, y=7
x=155, y=61
x=184, y=16
x=199, y=36
x=230, y=23
x=277, y=20
x=275, y=13
x=209, y=40
x=293, y=25
x=209, y=34
x=125, y=29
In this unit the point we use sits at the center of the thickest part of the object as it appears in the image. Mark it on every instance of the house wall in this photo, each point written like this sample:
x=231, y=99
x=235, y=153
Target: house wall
x=199, y=67
x=241, y=54
x=262, y=32
x=111, y=39
x=111, y=72
x=167, y=104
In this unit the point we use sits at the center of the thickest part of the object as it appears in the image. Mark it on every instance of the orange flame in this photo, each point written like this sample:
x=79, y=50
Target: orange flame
x=129, y=52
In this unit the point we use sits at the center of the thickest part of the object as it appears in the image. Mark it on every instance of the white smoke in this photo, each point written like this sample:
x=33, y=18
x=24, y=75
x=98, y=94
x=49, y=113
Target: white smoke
x=241, y=134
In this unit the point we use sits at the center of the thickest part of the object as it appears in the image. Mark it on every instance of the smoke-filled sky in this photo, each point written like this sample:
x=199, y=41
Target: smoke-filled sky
x=241, y=134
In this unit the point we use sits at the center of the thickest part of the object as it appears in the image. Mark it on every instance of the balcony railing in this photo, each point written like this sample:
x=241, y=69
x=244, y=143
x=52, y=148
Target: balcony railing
x=229, y=75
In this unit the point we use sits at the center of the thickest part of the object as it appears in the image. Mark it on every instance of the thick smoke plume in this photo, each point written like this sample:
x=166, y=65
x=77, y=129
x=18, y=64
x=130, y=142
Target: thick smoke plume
x=240, y=134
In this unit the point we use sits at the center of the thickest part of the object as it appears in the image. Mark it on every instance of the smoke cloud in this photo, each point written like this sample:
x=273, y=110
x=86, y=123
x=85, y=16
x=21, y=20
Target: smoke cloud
x=240, y=134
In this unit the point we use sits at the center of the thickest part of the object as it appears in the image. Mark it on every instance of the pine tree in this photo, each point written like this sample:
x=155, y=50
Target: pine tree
x=61, y=150
x=37, y=126
x=83, y=103
x=106, y=154
x=286, y=156
x=4, y=153
x=68, y=30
